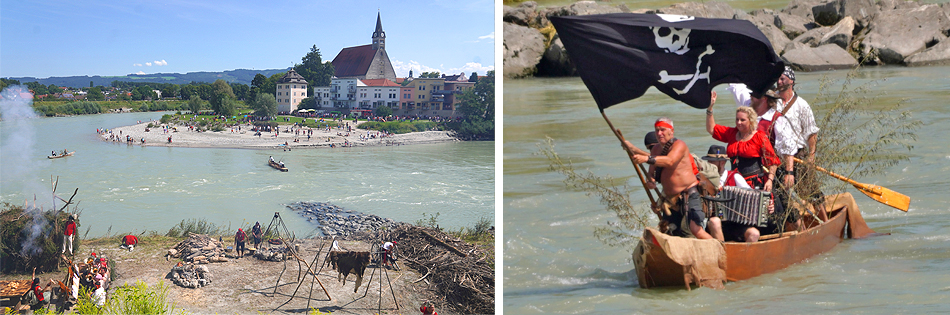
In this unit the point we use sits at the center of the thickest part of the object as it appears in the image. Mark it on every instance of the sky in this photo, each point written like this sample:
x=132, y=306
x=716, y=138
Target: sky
x=106, y=38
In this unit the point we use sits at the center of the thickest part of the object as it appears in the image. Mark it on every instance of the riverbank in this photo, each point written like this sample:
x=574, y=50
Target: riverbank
x=244, y=138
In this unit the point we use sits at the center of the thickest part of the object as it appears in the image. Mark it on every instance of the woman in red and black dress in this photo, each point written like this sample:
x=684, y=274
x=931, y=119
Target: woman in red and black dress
x=750, y=152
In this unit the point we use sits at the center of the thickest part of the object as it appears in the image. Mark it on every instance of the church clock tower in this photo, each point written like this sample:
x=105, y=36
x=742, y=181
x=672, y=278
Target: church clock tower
x=379, y=37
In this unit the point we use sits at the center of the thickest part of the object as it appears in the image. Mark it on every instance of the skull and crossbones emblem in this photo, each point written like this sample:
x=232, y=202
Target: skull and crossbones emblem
x=676, y=41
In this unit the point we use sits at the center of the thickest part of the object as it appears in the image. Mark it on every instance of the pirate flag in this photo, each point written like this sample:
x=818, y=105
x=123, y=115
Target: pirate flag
x=619, y=56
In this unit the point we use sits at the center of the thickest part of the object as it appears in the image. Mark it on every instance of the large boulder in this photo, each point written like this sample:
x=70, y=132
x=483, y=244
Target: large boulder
x=840, y=34
x=555, y=61
x=895, y=35
x=825, y=57
x=801, y=8
x=887, y=5
x=765, y=21
x=710, y=9
x=583, y=8
x=811, y=38
x=831, y=12
x=525, y=14
x=933, y=56
x=523, y=49
x=793, y=25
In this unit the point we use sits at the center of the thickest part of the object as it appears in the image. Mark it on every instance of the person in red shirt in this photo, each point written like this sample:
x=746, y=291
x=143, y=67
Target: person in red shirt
x=129, y=241
x=428, y=310
x=750, y=151
x=69, y=233
x=239, y=239
x=38, y=291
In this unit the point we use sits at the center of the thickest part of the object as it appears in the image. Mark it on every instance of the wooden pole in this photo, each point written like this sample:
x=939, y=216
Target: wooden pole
x=641, y=172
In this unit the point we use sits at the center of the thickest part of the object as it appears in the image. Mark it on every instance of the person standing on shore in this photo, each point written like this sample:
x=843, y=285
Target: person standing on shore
x=69, y=233
x=239, y=239
x=257, y=234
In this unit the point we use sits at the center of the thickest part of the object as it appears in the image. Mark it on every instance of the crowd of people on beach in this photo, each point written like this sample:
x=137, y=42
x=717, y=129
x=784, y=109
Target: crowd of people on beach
x=773, y=131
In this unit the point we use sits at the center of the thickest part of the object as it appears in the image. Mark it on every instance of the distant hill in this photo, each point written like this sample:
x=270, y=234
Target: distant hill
x=243, y=76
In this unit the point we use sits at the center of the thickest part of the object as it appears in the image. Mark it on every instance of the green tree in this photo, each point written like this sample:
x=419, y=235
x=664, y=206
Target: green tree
x=384, y=111
x=187, y=91
x=170, y=90
x=37, y=88
x=4, y=83
x=143, y=92
x=52, y=88
x=308, y=103
x=227, y=107
x=194, y=104
x=258, y=80
x=477, y=107
x=95, y=94
x=270, y=85
x=204, y=91
x=432, y=75
x=474, y=77
x=314, y=70
x=240, y=91
x=220, y=90
x=264, y=105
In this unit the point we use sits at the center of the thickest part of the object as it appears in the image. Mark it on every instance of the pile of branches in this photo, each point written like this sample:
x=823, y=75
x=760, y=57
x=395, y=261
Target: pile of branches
x=456, y=270
x=199, y=249
x=32, y=237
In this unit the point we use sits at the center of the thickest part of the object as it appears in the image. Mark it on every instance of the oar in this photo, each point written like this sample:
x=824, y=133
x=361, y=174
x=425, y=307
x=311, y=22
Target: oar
x=881, y=194
x=637, y=166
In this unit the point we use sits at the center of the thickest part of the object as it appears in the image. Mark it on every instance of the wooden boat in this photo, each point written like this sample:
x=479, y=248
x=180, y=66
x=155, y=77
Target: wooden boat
x=60, y=155
x=662, y=260
x=277, y=166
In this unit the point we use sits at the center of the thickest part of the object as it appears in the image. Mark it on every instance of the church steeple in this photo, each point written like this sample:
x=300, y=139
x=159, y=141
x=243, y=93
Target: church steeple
x=379, y=37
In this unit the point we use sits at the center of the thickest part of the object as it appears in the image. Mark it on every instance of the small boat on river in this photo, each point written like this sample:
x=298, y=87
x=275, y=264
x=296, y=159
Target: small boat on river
x=277, y=166
x=662, y=260
x=60, y=155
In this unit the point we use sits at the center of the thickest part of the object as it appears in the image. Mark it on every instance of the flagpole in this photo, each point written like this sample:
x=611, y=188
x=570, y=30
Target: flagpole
x=637, y=166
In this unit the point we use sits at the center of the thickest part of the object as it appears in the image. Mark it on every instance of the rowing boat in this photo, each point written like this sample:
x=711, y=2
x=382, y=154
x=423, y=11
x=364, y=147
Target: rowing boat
x=662, y=260
x=277, y=166
x=60, y=155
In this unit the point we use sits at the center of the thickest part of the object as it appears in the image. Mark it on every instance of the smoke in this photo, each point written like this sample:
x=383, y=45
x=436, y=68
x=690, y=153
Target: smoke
x=18, y=141
x=34, y=232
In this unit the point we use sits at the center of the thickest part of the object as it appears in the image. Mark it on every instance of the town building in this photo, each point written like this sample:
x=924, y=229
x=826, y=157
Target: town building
x=374, y=93
x=366, y=61
x=340, y=96
x=291, y=89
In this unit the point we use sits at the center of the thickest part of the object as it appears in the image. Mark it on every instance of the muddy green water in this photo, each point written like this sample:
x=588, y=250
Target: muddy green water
x=554, y=264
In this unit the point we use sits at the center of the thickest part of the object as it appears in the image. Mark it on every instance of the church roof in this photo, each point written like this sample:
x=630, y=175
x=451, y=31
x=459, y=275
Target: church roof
x=379, y=82
x=353, y=61
x=292, y=77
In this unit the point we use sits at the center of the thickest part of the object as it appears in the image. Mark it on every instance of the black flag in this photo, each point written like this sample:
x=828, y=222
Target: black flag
x=619, y=56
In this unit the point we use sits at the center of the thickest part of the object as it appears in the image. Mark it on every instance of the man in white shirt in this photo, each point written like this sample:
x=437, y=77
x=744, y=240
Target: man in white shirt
x=804, y=133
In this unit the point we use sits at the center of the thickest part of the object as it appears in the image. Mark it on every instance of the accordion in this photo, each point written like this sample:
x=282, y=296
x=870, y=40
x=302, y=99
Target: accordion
x=744, y=206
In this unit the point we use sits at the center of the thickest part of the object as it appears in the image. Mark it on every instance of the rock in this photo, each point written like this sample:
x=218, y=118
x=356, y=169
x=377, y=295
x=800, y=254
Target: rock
x=523, y=49
x=810, y=38
x=897, y=34
x=801, y=8
x=840, y=34
x=525, y=14
x=831, y=12
x=825, y=57
x=793, y=25
x=581, y=8
x=711, y=9
x=886, y=5
x=765, y=21
x=933, y=56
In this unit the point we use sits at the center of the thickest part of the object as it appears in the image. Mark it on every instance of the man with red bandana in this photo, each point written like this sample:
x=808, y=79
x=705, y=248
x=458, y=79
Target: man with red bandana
x=671, y=164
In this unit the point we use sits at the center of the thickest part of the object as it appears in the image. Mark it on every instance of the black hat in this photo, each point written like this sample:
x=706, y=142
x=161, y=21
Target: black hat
x=716, y=153
x=650, y=139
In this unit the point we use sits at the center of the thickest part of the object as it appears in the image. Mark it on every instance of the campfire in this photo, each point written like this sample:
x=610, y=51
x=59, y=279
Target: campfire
x=199, y=249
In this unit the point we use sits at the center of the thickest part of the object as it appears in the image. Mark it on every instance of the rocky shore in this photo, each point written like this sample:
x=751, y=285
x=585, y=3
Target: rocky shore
x=810, y=35
x=245, y=138
x=333, y=220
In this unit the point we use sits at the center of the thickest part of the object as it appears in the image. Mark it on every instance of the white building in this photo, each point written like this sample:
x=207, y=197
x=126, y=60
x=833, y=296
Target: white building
x=339, y=96
x=291, y=89
x=374, y=93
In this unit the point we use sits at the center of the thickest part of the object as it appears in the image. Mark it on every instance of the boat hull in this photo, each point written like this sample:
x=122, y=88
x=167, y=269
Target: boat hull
x=660, y=260
x=277, y=166
x=60, y=156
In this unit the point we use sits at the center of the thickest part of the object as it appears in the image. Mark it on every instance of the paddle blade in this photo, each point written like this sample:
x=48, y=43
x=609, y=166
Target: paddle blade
x=886, y=196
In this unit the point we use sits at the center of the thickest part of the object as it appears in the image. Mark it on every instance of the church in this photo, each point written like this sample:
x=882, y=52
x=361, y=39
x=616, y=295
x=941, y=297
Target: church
x=366, y=61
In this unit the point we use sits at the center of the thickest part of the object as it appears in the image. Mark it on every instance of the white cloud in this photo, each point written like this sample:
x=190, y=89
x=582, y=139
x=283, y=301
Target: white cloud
x=485, y=38
x=489, y=36
x=140, y=72
x=161, y=63
x=137, y=64
x=402, y=68
x=148, y=64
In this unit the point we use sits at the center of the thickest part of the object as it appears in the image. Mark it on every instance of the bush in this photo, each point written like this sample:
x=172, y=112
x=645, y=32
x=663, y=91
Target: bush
x=32, y=238
x=128, y=299
x=399, y=127
x=196, y=226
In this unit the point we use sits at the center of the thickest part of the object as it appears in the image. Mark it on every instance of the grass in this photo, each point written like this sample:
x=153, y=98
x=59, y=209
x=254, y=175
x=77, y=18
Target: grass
x=129, y=299
x=399, y=127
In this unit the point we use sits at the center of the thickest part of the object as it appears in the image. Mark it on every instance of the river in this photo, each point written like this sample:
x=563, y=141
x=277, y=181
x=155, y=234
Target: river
x=554, y=264
x=134, y=189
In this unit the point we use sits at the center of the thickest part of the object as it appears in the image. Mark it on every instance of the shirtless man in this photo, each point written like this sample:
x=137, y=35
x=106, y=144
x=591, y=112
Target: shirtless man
x=678, y=176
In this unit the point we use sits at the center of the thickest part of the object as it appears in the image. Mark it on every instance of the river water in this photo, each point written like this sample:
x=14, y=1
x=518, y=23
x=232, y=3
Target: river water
x=554, y=264
x=134, y=189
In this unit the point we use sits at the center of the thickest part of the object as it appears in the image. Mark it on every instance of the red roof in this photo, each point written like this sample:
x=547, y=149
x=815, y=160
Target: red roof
x=379, y=82
x=353, y=61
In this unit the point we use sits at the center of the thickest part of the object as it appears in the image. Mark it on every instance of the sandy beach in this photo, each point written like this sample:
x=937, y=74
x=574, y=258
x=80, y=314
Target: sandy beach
x=245, y=138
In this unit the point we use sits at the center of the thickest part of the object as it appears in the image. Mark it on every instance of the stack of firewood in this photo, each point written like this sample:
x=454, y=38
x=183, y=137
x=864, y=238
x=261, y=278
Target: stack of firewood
x=199, y=249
